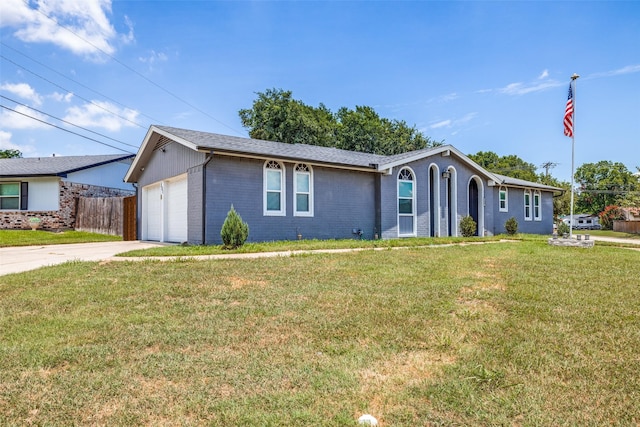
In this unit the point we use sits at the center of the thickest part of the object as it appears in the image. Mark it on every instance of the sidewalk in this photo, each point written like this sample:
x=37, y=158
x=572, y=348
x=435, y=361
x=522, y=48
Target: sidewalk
x=17, y=259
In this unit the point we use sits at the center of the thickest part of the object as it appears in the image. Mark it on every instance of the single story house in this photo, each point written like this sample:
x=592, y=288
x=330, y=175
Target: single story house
x=188, y=180
x=48, y=187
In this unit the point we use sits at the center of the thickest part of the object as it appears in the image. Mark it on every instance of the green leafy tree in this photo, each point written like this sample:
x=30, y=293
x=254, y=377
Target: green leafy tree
x=602, y=184
x=10, y=154
x=276, y=116
x=234, y=231
x=511, y=226
x=510, y=165
x=561, y=203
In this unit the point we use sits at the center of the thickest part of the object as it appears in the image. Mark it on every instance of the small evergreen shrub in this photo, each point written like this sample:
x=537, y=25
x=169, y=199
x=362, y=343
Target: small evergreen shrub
x=511, y=226
x=234, y=231
x=563, y=228
x=468, y=226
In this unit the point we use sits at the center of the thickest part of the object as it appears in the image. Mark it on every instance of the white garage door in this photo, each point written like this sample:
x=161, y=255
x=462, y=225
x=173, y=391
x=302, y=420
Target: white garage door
x=152, y=212
x=176, y=202
x=164, y=210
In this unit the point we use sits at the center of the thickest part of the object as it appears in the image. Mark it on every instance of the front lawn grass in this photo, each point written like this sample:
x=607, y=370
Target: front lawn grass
x=303, y=245
x=519, y=333
x=40, y=237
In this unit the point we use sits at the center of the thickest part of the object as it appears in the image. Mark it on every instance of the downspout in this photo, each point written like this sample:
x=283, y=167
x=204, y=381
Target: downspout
x=204, y=196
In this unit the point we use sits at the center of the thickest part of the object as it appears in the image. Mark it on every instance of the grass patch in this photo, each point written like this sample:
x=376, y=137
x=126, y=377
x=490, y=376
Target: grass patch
x=608, y=233
x=300, y=245
x=39, y=237
x=512, y=334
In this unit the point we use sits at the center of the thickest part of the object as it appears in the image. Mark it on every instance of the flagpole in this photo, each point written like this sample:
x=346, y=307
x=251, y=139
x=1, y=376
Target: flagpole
x=574, y=77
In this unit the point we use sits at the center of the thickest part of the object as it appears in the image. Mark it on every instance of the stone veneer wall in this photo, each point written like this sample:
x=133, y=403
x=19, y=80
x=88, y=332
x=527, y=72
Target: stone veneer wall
x=65, y=217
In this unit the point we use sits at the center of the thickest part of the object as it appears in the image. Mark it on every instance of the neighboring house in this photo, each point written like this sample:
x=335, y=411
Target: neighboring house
x=188, y=180
x=583, y=221
x=48, y=187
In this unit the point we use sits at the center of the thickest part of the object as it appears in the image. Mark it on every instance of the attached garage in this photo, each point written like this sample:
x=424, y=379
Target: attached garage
x=164, y=207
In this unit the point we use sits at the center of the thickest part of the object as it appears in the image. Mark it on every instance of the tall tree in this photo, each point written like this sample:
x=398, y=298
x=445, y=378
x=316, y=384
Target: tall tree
x=602, y=184
x=10, y=154
x=276, y=116
x=510, y=165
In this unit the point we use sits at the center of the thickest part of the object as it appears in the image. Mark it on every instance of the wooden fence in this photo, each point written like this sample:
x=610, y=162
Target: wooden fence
x=107, y=215
x=626, y=226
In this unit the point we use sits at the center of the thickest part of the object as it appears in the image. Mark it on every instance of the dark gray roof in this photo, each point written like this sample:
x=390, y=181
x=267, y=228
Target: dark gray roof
x=55, y=166
x=304, y=152
x=507, y=180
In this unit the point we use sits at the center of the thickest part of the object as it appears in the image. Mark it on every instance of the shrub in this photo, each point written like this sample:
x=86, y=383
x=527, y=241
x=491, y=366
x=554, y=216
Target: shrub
x=563, y=228
x=511, y=226
x=468, y=226
x=234, y=231
x=607, y=216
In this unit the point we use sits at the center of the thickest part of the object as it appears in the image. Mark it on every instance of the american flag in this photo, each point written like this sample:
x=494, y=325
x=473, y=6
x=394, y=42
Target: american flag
x=568, y=114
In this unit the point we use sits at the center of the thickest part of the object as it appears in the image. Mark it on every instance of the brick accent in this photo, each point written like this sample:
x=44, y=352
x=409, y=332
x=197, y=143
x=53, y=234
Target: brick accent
x=65, y=217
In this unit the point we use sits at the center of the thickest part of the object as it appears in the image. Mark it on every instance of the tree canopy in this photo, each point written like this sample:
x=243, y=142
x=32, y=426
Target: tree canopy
x=277, y=116
x=603, y=184
x=10, y=154
x=510, y=165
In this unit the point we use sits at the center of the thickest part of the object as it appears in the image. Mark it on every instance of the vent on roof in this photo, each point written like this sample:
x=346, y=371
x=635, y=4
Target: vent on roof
x=162, y=142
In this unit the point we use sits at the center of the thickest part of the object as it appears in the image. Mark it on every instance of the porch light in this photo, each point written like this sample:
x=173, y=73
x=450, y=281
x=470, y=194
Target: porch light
x=446, y=175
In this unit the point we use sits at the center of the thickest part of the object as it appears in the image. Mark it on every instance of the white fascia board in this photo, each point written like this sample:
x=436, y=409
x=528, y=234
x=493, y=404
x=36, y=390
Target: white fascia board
x=444, y=150
x=146, y=148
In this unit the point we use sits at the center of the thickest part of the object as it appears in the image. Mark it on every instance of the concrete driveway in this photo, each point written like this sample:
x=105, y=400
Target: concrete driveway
x=23, y=258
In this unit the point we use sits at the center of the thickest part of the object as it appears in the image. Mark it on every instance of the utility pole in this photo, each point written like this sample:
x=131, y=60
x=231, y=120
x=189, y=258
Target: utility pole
x=548, y=165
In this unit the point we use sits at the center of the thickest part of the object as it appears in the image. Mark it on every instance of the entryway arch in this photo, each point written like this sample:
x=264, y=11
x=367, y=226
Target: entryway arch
x=475, y=192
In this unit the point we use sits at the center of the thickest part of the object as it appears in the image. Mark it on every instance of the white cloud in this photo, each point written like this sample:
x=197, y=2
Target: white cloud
x=629, y=69
x=22, y=118
x=103, y=115
x=441, y=124
x=24, y=91
x=6, y=144
x=454, y=122
x=544, y=75
x=79, y=26
x=152, y=58
x=525, y=88
x=56, y=96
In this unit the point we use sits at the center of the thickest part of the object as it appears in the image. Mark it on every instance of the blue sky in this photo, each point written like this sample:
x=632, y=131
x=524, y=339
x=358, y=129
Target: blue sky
x=482, y=76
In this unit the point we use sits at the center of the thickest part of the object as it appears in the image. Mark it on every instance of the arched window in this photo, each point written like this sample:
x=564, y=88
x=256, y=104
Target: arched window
x=274, y=185
x=527, y=205
x=503, y=199
x=406, y=203
x=303, y=190
x=537, y=210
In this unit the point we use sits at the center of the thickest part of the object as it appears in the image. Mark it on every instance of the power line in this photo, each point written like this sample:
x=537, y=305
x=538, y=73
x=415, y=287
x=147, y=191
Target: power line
x=63, y=129
x=548, y=165
x=76, y=82
x=68, y=122
x=134, y=71
x=68, y=91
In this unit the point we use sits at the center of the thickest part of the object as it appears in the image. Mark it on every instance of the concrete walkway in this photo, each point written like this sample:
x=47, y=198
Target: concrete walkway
x=17, y=259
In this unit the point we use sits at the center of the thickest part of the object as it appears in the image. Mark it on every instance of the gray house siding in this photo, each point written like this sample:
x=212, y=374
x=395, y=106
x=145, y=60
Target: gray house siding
x=424, y=210
x=343, y=201
x=195, y=185
x=515, y=197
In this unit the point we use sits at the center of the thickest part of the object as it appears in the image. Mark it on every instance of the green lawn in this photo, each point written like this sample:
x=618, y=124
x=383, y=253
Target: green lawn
x=39, y=237
x=520, y=333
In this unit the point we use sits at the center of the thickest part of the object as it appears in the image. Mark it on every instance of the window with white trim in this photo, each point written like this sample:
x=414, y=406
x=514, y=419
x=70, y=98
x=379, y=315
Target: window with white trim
x=303, y=190
x=537, y=211
x=503, y=199
x=10, y=195
x=274, y=185
x=406, y=203
x=527, y=205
